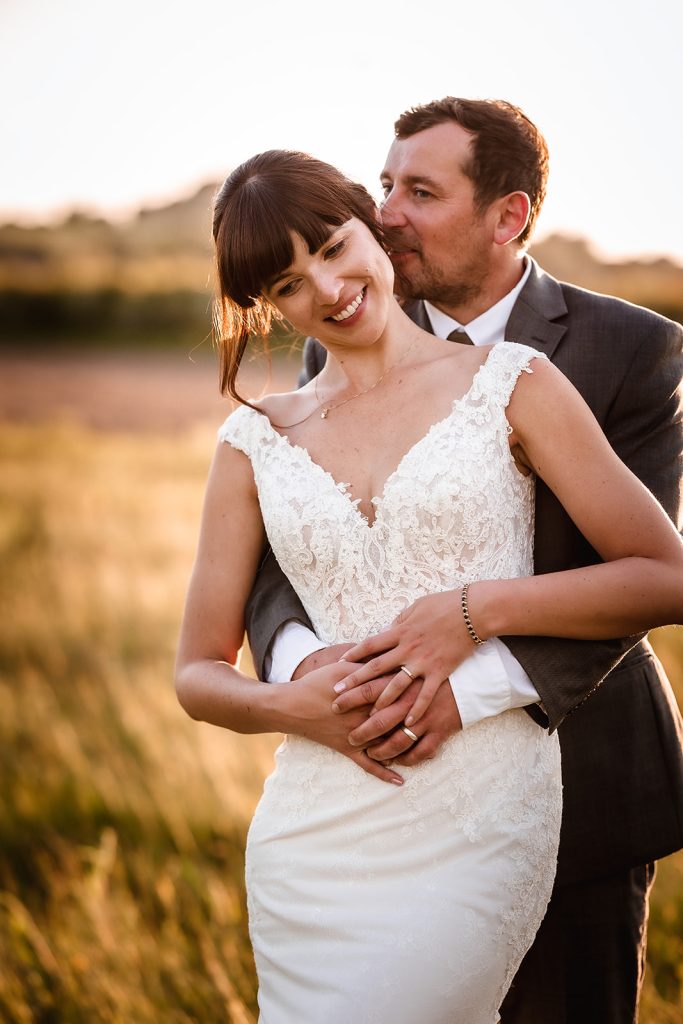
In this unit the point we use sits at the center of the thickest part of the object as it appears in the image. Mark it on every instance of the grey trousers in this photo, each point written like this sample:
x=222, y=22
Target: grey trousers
x=587, y=962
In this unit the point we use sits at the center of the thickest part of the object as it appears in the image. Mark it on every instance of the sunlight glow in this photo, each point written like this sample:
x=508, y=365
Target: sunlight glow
x=117, y=104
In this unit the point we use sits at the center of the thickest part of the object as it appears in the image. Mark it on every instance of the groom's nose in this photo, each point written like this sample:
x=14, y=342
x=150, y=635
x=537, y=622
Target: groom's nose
x=391, y=212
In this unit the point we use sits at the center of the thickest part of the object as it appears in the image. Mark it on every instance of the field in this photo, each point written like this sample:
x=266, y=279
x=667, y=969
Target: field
x=122, y=822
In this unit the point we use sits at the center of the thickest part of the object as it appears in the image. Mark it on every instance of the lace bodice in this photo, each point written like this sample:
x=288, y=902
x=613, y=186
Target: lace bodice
x=455, y=509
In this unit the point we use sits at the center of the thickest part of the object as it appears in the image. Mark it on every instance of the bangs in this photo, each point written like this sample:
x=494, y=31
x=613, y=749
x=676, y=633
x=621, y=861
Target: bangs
x=260, y=206
x=254, y=246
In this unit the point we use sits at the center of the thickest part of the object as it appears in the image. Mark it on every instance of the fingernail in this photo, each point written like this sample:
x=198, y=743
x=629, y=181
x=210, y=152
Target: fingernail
x=343, y=657
x=339, y=687
x=397, y=782
x=336, y=709
x=409, y=720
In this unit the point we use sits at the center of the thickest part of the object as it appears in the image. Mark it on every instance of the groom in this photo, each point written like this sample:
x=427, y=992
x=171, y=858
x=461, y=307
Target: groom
x=620, y=732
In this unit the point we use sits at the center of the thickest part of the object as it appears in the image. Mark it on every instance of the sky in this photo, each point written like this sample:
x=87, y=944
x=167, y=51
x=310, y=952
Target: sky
x=113, y=104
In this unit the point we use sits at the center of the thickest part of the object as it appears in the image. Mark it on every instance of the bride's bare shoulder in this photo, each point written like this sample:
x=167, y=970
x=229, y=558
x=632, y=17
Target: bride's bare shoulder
x=287, y=406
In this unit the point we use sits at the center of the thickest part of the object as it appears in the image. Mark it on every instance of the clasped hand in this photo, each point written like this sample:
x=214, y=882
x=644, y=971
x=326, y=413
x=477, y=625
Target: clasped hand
x=429, y=638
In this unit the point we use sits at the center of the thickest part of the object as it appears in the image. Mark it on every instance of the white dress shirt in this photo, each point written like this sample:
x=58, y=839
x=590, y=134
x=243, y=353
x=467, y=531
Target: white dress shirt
x=491, y=680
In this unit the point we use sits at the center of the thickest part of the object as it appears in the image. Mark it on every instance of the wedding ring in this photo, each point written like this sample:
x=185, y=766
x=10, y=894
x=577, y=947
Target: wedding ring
x=410, y=734
x=407, y=672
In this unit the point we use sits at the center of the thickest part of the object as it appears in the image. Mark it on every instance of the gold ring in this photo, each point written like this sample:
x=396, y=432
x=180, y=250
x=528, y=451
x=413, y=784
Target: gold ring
x=407, y=672
x=410, y=734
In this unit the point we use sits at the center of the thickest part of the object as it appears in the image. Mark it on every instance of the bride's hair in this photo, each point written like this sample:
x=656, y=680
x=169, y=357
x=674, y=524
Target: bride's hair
x=255, y=211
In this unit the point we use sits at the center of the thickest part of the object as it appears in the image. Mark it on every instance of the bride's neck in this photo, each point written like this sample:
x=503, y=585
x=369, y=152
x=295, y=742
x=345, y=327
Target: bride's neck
x=360, y=368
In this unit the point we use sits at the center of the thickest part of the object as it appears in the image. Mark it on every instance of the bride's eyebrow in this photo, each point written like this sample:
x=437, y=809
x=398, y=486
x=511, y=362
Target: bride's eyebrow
x=278, y=277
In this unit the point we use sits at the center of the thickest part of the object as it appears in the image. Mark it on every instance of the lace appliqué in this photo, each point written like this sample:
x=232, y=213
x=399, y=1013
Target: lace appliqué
x=455, y=509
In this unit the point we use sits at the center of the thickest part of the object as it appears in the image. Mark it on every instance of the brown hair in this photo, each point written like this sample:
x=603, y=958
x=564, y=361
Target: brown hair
x=509, y=154
x=255, y=211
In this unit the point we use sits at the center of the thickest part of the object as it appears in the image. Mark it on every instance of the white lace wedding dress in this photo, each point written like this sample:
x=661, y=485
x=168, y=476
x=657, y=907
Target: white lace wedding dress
x=377, y=904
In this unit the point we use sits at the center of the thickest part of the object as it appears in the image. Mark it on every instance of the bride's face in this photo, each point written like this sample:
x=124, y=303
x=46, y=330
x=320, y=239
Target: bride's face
x=340, y=294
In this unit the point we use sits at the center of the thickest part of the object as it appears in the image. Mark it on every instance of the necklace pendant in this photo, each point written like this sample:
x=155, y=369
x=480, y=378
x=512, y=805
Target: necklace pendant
x=323, y=414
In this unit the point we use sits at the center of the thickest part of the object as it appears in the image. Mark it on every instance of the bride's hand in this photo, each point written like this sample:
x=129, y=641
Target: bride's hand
x=307, y=711
x=427, y=641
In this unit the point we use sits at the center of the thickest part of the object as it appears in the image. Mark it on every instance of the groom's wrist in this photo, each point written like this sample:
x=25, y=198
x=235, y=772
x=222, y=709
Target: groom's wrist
x=313, y=661
x=320, y=658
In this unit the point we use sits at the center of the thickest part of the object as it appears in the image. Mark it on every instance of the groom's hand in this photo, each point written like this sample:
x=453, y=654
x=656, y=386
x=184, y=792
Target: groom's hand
x=318, y=659
x=427, y=641
x=382, y=734
x=306, y=710
x=440, y=721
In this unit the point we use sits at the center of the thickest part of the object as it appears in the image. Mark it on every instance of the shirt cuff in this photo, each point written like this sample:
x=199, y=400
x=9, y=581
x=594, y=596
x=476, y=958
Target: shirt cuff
x=291, y=644
x=489, y=682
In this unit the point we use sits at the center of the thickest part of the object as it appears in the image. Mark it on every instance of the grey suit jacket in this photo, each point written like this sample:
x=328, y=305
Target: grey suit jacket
x=620, y=731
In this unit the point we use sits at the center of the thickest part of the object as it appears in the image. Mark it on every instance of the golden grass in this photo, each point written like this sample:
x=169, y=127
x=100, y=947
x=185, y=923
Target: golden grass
x=122, y=822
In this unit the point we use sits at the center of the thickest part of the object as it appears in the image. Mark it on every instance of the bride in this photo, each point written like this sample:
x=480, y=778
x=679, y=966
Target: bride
x=404, y=472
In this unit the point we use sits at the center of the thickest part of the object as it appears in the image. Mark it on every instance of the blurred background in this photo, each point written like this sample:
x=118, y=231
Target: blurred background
x=122, y=822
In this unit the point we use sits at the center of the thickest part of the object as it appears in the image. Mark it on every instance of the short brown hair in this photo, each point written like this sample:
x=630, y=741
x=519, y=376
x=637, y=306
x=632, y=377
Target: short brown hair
x=256, y=209
x=509, y=154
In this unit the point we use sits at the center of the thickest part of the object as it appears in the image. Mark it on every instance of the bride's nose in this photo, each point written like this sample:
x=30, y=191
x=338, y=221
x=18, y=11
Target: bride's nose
x=328, y=287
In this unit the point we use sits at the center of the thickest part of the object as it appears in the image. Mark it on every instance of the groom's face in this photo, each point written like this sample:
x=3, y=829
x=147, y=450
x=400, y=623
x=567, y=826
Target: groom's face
x=440, y=242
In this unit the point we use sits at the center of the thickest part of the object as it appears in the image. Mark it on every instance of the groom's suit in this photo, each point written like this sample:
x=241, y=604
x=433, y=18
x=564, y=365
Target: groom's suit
x=621, y=739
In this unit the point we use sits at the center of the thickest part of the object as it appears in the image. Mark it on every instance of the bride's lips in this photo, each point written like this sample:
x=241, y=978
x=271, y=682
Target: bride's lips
x=352, y=317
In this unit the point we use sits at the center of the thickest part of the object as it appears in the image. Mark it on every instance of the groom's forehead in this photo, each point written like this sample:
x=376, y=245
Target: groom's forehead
x=436, y=152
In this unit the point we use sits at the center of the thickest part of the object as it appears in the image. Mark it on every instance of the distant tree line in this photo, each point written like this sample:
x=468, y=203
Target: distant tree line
x=104, y=316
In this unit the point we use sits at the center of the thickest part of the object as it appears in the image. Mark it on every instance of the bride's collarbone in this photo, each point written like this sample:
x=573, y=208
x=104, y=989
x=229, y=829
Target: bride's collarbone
x=361, y=451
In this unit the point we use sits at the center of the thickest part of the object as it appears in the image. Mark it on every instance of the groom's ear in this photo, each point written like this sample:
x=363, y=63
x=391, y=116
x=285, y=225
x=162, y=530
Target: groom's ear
x=512, y=216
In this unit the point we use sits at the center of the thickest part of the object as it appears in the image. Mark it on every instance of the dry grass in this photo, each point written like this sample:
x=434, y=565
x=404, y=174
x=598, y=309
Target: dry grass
x=122, y=822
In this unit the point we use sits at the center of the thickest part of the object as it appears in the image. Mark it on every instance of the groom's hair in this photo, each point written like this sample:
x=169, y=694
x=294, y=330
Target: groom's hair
x=508, y=152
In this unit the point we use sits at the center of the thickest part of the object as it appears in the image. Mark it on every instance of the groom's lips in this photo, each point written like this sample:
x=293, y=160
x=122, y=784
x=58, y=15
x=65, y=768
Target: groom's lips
x=398, y=256
x=399, y=250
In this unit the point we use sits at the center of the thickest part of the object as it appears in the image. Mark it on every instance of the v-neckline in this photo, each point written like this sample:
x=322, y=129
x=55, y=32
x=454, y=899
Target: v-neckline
x=377, y=500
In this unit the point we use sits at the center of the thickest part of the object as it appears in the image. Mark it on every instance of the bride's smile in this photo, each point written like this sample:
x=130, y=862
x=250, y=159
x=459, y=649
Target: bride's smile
x=347, y=312
x=341, y=293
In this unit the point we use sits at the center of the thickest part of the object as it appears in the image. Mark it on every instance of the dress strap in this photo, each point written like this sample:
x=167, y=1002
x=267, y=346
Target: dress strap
x=505, y=363
x=245, y=429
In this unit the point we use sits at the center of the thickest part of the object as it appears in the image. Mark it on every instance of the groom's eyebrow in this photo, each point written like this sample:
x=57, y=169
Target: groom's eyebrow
x=421, y=179
x=410, y=180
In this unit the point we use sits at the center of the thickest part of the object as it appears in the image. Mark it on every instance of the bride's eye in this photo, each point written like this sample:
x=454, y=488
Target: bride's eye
x=335, y=249
x=287, y=289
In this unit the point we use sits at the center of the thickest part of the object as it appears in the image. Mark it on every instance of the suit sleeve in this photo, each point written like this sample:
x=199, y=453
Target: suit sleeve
x=313, y=361
x=272, y=601
x=645, y=427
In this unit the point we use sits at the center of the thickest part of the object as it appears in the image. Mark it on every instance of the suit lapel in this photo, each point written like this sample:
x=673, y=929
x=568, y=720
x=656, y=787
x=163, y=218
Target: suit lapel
x=415, y=309
x=533, y=316
x=540, y=303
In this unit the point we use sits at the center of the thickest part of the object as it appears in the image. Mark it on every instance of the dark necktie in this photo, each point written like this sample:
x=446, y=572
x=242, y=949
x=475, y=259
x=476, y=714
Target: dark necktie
x=460, y=336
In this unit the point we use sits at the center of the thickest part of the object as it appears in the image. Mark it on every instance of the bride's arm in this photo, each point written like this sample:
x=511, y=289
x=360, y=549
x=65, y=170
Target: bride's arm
x=639, y=586
x=209, y=685
x=640, y=583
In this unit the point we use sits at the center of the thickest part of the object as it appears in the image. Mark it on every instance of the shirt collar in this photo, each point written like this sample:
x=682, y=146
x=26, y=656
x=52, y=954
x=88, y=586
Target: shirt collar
x=489, y=327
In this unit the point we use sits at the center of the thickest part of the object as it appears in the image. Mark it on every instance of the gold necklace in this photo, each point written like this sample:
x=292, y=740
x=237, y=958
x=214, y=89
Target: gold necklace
x=327, y=409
